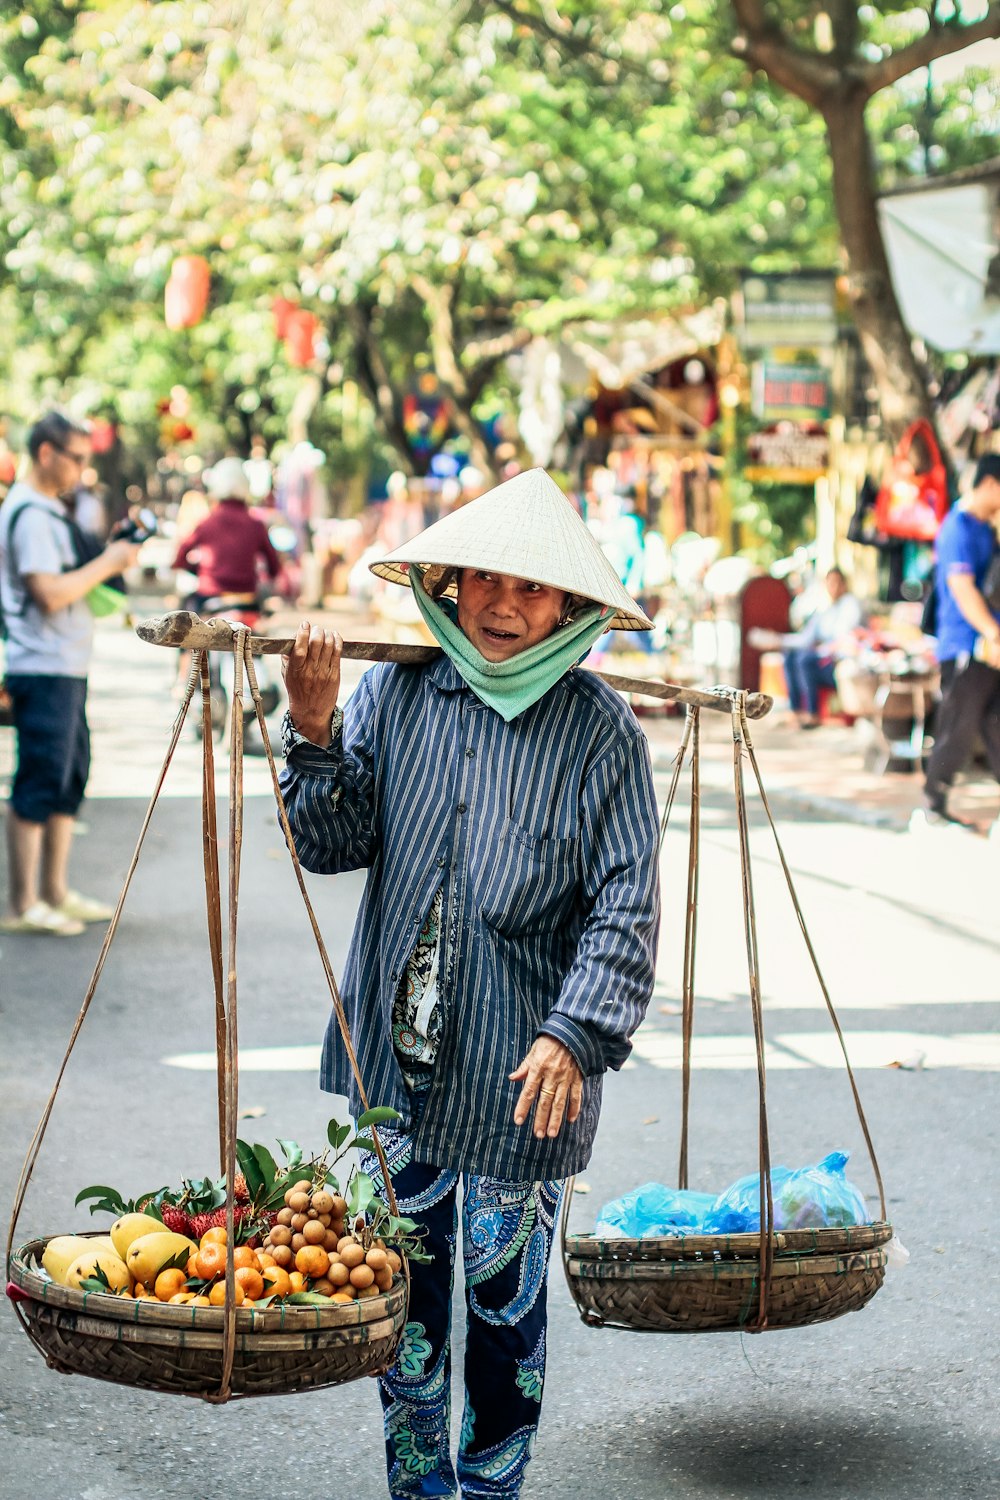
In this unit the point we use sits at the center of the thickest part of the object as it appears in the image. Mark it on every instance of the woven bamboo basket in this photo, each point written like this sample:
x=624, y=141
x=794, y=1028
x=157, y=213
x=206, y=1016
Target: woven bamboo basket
x=769, y=1279
x=279, y=1350
x=697, y=1284
x=227, y=1352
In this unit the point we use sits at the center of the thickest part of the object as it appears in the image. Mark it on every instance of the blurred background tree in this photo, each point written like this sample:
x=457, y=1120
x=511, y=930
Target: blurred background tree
x=434, y=186
x=772, y=70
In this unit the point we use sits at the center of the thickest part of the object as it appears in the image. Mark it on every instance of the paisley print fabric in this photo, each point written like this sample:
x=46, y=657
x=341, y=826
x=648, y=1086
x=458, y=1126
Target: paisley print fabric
x=507, y=1230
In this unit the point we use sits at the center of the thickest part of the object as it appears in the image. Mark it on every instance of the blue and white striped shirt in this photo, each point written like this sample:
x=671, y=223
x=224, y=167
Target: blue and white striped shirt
x=544, y=834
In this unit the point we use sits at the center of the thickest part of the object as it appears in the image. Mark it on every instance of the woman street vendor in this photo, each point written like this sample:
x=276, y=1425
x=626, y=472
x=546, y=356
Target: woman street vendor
x=502, y=804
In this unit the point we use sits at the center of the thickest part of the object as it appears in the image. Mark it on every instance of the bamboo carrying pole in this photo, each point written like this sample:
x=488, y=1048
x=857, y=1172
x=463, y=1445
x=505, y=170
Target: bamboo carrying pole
x=187, y=631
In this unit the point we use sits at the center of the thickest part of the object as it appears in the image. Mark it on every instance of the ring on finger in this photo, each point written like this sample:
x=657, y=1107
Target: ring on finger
x=548, y=1091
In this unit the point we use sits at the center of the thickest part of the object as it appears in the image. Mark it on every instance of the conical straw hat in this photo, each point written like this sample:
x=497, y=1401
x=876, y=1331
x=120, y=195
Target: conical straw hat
x=527, y=528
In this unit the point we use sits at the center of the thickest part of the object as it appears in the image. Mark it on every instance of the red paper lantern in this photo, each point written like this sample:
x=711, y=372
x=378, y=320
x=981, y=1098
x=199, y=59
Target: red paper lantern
x=102, y=435
x=186, y=294
x=300, y=340
x=282, y=308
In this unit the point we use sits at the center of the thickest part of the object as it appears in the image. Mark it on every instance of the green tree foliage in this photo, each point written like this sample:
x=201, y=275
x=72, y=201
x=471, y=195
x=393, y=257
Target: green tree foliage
x=437, y=183
x=853, y=70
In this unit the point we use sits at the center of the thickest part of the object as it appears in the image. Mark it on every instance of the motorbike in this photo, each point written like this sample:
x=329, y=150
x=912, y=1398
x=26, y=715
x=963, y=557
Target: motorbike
x=239, y=609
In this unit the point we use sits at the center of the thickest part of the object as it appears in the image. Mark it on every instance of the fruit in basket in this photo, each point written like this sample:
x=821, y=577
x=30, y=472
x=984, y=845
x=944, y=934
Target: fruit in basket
x=129, y=1227
x=152, y=1253
x=60, y=1252
x=103, y=1266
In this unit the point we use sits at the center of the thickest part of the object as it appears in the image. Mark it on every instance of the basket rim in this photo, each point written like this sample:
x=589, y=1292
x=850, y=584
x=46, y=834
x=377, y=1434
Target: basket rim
x=280, y=1317
x=850, y=1238
x=803, y=1267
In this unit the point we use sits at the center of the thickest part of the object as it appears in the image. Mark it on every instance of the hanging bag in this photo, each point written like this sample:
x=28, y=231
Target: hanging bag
x=913, y=498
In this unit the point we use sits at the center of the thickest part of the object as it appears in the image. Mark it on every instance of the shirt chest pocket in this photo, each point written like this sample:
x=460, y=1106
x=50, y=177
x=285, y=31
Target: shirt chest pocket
x=529, y=881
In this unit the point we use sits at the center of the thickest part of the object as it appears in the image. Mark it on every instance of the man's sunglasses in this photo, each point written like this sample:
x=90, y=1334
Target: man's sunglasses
x=77, y=458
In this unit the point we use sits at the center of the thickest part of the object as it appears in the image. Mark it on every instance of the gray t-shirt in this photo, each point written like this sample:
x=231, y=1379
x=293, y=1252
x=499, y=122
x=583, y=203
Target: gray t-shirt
x=40, y=644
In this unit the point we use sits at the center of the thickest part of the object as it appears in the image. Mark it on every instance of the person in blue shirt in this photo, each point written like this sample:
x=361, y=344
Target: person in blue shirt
x=502, y=803
x=968, y=635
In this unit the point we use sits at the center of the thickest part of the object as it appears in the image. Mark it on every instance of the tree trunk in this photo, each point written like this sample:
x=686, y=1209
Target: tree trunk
x=437, y=302
x=884, y=338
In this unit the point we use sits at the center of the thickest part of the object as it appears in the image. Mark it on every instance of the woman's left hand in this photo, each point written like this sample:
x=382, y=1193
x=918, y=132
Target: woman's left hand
x=553, y=1083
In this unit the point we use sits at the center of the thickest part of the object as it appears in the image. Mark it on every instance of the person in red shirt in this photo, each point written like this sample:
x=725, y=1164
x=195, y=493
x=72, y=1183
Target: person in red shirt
x=225, y=549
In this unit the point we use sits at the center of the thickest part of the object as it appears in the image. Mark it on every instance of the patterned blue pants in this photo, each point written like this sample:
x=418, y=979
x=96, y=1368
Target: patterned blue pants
x=506, y=1238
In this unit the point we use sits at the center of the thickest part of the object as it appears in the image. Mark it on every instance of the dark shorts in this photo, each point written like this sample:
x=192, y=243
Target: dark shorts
x=53, y=745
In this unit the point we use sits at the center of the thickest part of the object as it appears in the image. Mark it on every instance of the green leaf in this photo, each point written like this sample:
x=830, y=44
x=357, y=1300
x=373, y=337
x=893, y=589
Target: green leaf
x=363, y=1143
x=337, y=1134
x=380, y=1115
x=360, y=1194
x=247, y=1158
x=292, y=1152
x=311, y=1299
x=267, y=1164
x=111, y=1199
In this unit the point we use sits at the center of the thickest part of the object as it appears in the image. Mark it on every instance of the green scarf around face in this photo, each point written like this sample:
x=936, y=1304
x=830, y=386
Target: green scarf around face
x=511, y=686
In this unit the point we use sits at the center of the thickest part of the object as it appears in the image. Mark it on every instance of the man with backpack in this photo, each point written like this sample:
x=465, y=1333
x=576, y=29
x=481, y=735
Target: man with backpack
x=968, y=635
x=47, y=570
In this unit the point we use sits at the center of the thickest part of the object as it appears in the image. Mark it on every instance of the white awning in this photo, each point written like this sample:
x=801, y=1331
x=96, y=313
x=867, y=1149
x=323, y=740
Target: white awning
x=940, y=244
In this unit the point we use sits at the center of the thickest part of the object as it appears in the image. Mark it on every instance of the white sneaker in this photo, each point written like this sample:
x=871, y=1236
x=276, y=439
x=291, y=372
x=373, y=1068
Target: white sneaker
x=44, y=919
x=84, y=909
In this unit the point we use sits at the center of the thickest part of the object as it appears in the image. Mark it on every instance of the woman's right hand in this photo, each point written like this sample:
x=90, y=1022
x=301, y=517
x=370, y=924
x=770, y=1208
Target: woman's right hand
x=312, y=680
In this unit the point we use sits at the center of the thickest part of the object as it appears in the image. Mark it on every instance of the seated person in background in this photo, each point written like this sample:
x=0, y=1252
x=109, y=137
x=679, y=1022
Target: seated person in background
x=811, y=653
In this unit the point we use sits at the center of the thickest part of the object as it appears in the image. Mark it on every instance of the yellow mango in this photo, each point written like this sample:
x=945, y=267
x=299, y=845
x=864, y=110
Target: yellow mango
x=111, y=1264
x=60, y=1252
x=129, y=1227
x=147, y=1255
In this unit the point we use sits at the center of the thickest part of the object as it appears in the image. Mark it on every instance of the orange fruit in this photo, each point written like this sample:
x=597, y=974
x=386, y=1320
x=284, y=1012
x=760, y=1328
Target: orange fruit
x=210, y=1260
x=298, y=1282
x=264, y=1260
x=276, y=1282
x=243, y=1255
x=168, y=1282
x=312, y=1260
x=180, y=1298
x=216, y=1236
x=217, y=1295
x=342, y=1297
x=200, y=1301
x=252, y=1282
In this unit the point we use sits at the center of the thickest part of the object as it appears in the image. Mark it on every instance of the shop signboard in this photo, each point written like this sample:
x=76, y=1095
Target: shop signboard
x=788, y=453
x=797, y=310
x=793, y=392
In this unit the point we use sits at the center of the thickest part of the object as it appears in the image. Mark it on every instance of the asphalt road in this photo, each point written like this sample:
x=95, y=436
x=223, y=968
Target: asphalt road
x=897, y=1400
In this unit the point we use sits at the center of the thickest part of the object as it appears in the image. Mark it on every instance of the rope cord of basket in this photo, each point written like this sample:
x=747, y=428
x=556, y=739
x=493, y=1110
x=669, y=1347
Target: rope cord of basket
x=35, y=1144
x=225, y=991
x=742, y=750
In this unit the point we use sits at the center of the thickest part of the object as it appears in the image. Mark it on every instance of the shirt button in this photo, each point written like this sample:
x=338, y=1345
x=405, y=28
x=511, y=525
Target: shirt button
x=440, y=861
x=462, y=807
x=470, y=752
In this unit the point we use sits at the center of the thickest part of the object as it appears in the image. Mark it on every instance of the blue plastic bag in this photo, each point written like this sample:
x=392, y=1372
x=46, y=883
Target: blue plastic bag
x=653, y=1210
x=737, y=1210
x=820, y=1197
x=814, y=1197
